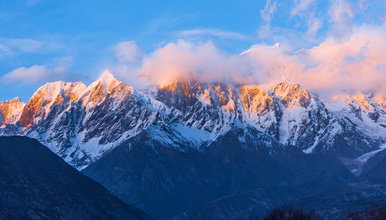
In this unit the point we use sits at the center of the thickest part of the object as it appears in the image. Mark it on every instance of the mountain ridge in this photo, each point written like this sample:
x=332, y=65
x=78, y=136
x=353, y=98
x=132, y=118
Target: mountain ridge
x=71, y=119
x=152, y=145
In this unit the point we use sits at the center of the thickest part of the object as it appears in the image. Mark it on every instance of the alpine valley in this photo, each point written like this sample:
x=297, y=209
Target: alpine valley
x=213, y=150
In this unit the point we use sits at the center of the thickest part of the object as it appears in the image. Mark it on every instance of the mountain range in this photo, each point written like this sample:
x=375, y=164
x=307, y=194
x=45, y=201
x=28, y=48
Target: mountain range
x=212, y=150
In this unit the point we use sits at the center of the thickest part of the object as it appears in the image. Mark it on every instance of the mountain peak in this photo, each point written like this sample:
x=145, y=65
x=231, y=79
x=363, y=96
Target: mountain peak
x=104, y=88
x=277, y=45
x=16, y=100
x=292, y=94
x=107, y=76
x=108, y=81
x=47, y=97
x=53, y=89
x=11, y=110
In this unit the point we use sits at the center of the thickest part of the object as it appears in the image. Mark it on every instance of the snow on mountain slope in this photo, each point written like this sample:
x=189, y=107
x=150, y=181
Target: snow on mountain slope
x=287, y=112
x=206, y=106
x=81, y=123
x=362, y=109
x=104, y=115
x=11, y=110
x=381, y=100
x=51, y=95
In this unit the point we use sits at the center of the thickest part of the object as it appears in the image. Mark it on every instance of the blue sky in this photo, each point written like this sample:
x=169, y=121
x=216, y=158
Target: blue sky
x=72, y=40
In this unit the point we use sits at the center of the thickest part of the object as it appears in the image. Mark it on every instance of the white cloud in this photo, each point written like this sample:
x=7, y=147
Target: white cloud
x=342, y=15
x=35, y=74
x=9, y=46
x=301, y=6
x=24, y=45
x=266, y=16
x=130, y=58
x=128, y=51
x=213, y=32
x=306, y=10
x=42, y=73
x=314, y=24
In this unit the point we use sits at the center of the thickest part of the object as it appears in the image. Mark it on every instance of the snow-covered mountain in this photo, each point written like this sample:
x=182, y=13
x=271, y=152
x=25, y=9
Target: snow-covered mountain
x=81, y=123
x=186, y=148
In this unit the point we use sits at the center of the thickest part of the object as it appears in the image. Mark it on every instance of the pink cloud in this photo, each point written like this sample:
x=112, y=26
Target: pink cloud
x=357, y=62
x=193, y=62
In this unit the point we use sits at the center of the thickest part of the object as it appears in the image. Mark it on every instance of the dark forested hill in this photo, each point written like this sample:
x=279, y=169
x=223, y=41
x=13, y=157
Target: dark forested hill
x=37, y=184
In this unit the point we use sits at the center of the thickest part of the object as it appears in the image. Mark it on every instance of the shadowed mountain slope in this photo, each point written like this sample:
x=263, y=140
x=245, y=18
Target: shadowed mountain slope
x=37, y=184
